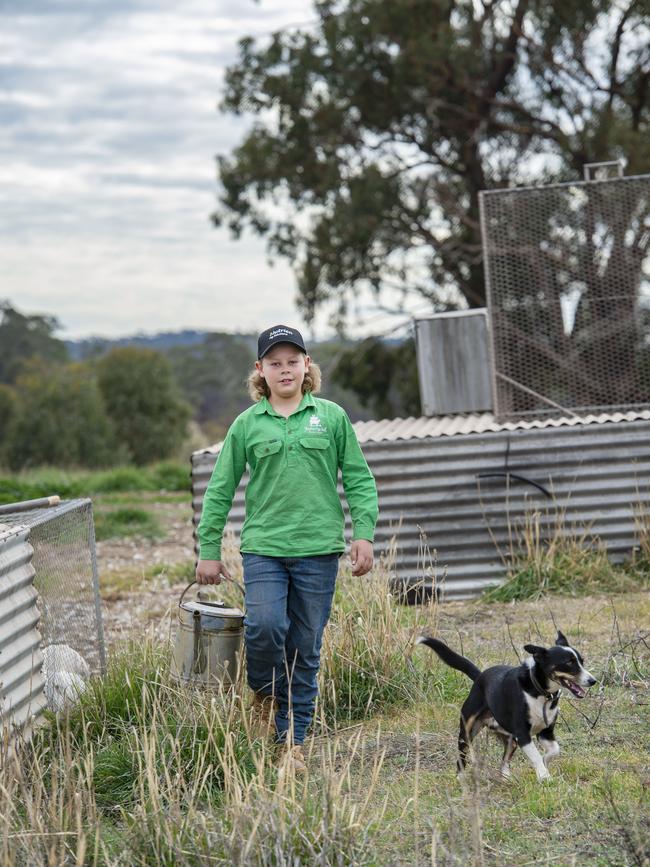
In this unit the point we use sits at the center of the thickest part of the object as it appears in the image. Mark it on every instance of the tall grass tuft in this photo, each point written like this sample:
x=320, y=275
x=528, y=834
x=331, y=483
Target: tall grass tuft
x=368, y=665
x=565, y=561
x=146, y=771
x=641, y=556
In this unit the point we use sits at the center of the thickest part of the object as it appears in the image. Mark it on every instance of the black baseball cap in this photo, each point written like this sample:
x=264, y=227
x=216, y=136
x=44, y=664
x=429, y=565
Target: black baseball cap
x=279, y=334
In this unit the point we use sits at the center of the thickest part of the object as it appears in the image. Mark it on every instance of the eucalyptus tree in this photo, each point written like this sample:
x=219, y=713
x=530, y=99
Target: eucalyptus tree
x=376, y=128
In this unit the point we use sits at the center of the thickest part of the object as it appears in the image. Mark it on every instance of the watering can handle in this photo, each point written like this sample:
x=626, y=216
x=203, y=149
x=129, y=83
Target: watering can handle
x=223, y=578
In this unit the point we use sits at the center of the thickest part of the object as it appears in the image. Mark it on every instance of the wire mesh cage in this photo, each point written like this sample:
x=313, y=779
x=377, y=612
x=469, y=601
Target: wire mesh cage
x=567, y=270
x=66, y=580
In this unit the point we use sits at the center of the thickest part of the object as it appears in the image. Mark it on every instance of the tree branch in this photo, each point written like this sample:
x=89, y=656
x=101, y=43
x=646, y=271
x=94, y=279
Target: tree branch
x=497, y=81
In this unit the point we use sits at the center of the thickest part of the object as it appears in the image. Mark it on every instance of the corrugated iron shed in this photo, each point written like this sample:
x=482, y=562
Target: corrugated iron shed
x=21, y=682
x=457, y=489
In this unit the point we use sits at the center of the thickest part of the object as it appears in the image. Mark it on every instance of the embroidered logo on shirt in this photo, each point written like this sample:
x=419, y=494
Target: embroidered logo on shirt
x=315, y=425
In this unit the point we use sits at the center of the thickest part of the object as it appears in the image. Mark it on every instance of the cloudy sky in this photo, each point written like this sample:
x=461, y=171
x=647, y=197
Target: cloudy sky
x=109, y=130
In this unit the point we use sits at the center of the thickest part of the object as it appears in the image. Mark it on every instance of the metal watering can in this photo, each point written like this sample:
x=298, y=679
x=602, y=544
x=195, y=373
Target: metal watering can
x=208, y=645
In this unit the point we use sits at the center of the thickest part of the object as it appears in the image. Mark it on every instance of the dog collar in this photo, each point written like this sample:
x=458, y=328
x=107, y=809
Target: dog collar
x=545, y=692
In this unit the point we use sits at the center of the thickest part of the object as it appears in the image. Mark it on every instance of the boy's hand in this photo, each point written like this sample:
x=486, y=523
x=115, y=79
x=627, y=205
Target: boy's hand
x=210, y=572
x=361, y=556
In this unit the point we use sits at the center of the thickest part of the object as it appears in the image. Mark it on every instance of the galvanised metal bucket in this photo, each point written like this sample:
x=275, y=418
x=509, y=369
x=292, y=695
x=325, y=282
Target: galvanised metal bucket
x=209, y=639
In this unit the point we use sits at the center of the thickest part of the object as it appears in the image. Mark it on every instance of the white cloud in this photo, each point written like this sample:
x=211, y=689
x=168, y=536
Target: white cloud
x=107, y=167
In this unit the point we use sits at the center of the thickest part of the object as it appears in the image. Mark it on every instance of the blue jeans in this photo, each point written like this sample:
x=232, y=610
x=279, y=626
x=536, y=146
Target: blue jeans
x=288, y=604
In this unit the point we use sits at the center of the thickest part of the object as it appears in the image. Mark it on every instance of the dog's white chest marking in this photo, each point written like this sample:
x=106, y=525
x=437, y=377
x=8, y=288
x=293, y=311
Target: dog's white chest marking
x=540, y=712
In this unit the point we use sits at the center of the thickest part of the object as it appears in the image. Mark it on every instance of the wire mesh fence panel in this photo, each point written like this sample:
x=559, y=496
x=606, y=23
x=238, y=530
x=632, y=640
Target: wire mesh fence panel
x=63, y=538
x=567, y=270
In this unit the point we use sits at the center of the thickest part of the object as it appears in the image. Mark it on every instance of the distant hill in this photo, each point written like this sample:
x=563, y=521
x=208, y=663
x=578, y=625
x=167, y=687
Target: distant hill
x=165, y=340
x=90, y=347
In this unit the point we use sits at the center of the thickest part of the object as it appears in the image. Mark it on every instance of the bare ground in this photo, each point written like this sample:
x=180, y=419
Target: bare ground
x=139, y=578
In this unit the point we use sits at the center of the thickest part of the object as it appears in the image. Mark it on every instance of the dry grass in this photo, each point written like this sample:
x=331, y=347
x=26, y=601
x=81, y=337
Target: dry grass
x=146, y=772
x=549, y=555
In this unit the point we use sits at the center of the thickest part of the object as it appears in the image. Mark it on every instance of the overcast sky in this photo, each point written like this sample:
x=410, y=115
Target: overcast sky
x=110, y=127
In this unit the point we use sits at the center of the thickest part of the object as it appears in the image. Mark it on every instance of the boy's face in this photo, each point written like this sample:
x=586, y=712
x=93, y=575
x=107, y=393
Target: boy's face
x=284, y=368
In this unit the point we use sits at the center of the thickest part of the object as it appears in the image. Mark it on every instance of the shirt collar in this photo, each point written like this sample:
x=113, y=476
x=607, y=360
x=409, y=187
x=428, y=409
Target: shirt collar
x=264, y=405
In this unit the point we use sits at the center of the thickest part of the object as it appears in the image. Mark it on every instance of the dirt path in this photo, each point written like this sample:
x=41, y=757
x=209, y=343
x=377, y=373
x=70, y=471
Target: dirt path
x=141, y=579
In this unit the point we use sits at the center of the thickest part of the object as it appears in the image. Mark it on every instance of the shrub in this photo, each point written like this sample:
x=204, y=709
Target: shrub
x=143, y=402
x=42, y=482
x=60, y=419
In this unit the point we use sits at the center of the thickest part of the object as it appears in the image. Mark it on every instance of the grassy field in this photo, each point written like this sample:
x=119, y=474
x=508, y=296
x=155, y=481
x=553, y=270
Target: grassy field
x=32, y=484
x=145, y=771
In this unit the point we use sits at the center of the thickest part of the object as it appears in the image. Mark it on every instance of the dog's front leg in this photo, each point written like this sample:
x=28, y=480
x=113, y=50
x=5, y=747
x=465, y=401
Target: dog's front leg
x=549, y=745
x=509, y=747
x=535, y=758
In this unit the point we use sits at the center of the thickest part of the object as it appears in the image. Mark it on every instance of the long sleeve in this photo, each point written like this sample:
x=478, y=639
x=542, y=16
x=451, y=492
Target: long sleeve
x=358, y=482
x=226, y=475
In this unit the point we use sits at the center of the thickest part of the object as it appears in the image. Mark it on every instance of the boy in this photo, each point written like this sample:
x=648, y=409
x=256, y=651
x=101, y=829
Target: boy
x=292, y=538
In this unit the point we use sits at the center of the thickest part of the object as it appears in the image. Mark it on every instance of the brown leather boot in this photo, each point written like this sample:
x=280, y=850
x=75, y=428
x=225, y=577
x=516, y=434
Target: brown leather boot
x=262, y=715
x=292, y=759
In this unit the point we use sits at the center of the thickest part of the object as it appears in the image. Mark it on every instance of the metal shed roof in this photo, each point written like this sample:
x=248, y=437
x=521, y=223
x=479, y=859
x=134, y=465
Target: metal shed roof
x=463, y=423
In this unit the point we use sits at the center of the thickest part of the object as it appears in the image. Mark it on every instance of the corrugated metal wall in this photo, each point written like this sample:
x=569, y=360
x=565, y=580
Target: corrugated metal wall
x=21, y=682
x=463, y=493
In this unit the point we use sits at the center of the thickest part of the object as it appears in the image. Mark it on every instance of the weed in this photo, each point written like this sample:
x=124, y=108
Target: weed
x=126, y=521
x=367, y=664
x=566, y=561
x=143, y=770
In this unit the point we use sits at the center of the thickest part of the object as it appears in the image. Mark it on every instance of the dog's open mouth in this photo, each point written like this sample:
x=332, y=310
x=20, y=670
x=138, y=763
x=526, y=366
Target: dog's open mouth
x=578, y=691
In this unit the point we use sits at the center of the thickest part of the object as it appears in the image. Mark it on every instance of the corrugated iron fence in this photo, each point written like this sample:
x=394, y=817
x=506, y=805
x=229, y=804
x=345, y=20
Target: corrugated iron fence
x=463, y=500
x=21, y=681
x=66, y=579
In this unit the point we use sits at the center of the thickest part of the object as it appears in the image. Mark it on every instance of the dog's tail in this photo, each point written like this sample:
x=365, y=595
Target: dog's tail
x=455, y=660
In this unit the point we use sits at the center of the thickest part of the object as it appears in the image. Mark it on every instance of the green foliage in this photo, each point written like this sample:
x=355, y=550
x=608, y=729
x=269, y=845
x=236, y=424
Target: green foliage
x=119, y=479
x=143, y=402
x=170, y=476
x=384, y=376
x=59, y=419
x=7, y=412
x=118, y=523
x=42, y=482
x=367, y=666
x=212, y=375
x=381, y=125
x=25, y=337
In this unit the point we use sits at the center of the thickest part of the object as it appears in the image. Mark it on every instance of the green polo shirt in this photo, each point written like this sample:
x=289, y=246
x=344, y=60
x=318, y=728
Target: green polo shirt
x=292, y=505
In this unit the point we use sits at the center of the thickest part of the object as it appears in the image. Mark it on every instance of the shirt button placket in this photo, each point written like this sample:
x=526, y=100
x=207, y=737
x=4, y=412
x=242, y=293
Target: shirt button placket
x=291, y=447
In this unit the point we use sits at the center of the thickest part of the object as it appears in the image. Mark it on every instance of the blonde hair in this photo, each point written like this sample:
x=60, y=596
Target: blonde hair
x=258, y=387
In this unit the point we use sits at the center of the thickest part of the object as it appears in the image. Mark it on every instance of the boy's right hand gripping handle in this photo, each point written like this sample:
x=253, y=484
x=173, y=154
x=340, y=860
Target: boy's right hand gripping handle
x=232, y=580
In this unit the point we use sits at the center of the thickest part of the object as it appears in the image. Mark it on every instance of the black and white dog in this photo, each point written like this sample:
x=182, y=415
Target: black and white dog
x=520, y=702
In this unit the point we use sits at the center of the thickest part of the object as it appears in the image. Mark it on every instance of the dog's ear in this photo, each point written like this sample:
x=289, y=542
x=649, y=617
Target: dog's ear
x=534, y=650
x=561, y=639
